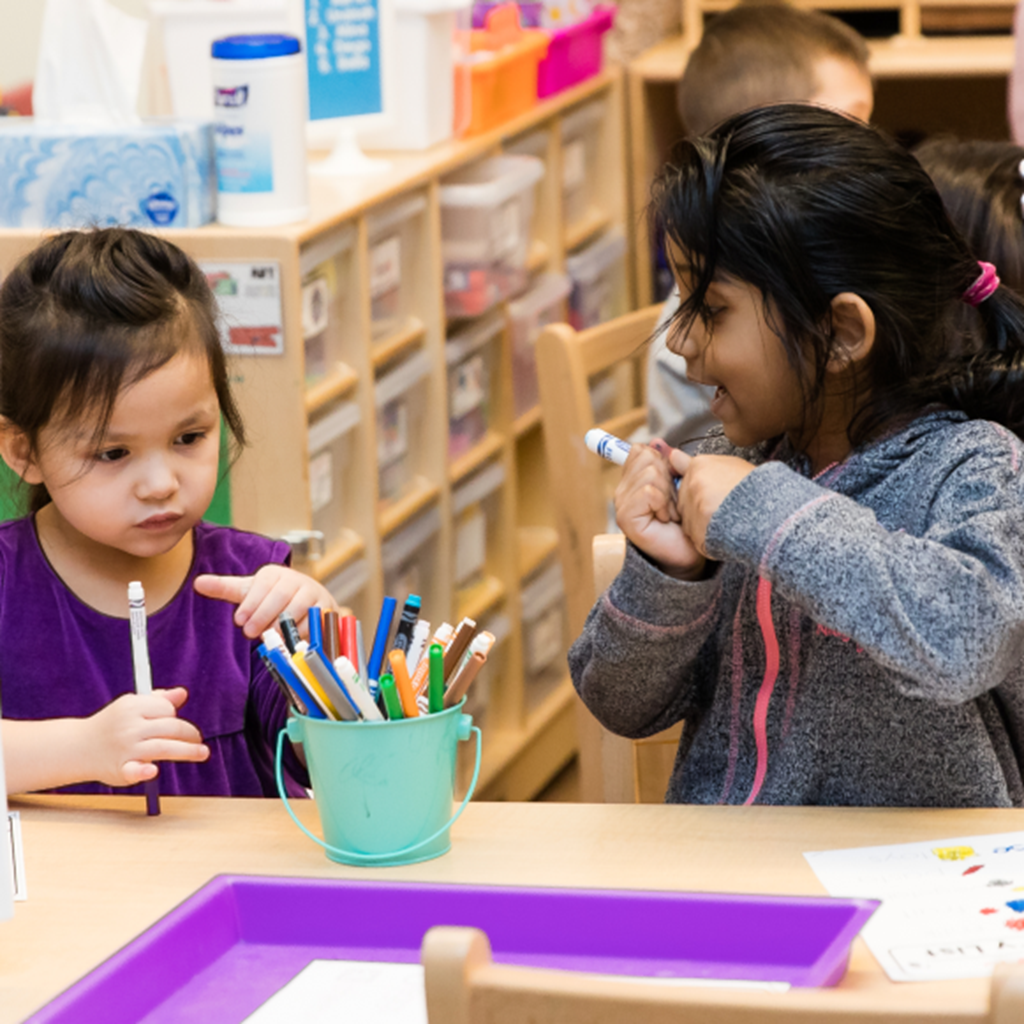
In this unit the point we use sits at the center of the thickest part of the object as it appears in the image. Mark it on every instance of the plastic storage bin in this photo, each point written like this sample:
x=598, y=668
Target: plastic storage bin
x=401, y=399
x=486, y=211
x=541, y=305
x=545, y=633
x=580, y=160
x=476, y=511
x=394, y=237
x=409, y=560
x=575, y=52
x=472, y=356
x=330, y=447
x=597, y=274
x=501, y=71
x=350, y=588
x=328, y=301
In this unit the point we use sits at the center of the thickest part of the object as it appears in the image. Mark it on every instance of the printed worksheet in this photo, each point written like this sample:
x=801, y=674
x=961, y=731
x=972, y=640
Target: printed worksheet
x=348, y=992
x=951, y=908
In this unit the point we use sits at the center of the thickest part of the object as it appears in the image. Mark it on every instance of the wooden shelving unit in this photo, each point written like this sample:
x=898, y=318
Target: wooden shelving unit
x=348, y=325
x=924, y=83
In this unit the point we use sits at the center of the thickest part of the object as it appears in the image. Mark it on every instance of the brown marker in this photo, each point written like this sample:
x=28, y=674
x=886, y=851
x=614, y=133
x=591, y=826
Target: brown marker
x=454, y=651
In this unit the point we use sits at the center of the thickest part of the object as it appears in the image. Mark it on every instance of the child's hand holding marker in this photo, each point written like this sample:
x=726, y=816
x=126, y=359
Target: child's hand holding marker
x=665, y=499
x=264, y=596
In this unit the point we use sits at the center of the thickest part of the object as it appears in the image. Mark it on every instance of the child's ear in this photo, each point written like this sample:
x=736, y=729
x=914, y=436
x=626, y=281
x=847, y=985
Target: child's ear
x=853, y=330
x=16, y=450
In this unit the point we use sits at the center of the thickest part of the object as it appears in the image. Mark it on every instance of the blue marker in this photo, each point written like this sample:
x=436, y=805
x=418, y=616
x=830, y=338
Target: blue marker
x=282, y=663
x=380, y=639
x=406, y=624
x=316, y=629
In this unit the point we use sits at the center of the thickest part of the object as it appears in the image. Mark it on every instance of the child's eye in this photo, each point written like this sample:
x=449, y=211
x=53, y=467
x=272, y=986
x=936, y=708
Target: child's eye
x=111, y=455
x=191, y=438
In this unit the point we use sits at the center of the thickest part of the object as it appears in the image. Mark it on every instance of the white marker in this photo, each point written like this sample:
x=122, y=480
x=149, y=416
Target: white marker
x=143, y=675
x=608, y=446
x=612, y=448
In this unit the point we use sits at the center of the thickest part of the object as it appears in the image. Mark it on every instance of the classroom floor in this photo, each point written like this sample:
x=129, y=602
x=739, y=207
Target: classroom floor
x=564, y=787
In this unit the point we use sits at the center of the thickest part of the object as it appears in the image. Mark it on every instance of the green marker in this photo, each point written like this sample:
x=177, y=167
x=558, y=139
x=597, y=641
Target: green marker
x=392, y=703
x=435, y=690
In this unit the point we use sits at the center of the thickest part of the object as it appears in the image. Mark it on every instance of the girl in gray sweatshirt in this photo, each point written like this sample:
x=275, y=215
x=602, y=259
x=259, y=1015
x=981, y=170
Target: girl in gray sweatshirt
x=830, y=595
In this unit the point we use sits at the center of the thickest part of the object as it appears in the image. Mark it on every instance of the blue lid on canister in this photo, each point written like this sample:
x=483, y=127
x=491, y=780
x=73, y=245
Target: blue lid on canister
x=255, y=47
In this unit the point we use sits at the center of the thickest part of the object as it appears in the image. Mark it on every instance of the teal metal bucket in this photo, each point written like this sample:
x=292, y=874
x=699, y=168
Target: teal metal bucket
x=384, y=790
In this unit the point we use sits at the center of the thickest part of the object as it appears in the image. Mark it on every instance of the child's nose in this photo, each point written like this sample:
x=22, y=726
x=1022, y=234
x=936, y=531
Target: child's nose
x=158, y=480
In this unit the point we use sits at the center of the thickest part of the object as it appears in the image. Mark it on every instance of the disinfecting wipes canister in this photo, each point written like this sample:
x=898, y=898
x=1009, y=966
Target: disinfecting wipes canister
x=260, y=108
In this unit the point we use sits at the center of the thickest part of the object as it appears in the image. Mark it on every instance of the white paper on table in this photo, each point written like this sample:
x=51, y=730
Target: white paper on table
x=951, y=908
x=348, y=992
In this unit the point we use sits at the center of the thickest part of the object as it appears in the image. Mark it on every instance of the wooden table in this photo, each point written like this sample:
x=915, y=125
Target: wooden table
x=99, y=872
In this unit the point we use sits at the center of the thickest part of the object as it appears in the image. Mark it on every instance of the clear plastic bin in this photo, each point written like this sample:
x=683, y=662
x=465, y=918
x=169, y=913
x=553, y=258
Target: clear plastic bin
x=394, y=236
x=543, y=304
x=476, y=512
x=330, y=487
x=401, y=399
x=486, y=211
x=598, y=281
x=327, y=305
x=471, y=355
x=408, y=558
x=545, y=633
x=580, y=155
x=350, y=588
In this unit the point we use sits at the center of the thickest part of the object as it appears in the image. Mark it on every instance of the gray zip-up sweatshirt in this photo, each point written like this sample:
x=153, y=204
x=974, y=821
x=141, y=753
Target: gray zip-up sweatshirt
x=861, y=642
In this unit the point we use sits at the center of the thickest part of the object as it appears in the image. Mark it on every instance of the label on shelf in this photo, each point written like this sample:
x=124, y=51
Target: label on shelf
x=321, y=481
x=316, y=305
x=249, y=298
x=574, y=165
x=470, y=387
x=385, y=266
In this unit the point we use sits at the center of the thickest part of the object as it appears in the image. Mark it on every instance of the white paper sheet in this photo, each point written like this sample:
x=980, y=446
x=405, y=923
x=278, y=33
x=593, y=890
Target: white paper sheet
x=348, y=992
x=952, y=908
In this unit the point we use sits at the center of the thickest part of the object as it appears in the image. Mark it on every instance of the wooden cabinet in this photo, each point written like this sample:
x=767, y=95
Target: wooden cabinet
x=349, y=420
x=930, y=76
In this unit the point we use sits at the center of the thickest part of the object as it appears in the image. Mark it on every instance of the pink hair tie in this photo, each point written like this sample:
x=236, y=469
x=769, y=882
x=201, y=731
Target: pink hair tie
x=983, y=287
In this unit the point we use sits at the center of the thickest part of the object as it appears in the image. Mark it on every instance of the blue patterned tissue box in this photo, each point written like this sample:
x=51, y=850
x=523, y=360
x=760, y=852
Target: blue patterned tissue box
x=159, y=174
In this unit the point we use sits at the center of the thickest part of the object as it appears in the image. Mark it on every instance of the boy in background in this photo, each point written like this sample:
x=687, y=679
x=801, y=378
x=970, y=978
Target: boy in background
x=753, y=55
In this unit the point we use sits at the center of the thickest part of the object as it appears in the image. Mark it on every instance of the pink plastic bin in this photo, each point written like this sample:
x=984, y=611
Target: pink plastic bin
x=574, y=53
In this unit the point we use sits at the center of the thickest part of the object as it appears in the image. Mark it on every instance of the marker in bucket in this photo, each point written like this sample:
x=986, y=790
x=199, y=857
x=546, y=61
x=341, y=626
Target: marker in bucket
x=403, y=683
x=143, y=674
x=435, y=688
x=380, y=641
x=612, y=448
x=389, y=695
x=475, y=658
x=360, y=696
x=407, y=623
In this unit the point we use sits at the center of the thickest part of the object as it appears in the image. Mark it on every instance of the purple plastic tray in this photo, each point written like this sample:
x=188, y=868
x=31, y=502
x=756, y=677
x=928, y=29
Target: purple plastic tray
x=234, y=943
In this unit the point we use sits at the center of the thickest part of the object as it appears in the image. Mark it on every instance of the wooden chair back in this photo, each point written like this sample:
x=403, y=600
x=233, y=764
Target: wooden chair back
x=569, y=362
x=465, y=986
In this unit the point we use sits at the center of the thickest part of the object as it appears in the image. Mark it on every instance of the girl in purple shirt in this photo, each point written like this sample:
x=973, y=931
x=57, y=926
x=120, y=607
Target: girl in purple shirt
x=113, y=385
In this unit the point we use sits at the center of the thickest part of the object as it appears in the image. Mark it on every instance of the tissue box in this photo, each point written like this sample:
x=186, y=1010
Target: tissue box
x=158, y=174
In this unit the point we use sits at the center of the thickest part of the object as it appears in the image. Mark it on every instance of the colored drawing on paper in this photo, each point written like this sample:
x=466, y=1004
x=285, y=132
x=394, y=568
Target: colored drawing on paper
x=953, y=852
x=1017, y=924
x=1017, y=905
x=973, y=868
x=988, y=910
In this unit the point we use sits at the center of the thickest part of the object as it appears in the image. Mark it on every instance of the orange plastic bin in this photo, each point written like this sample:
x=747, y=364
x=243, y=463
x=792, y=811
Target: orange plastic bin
x=499, y=78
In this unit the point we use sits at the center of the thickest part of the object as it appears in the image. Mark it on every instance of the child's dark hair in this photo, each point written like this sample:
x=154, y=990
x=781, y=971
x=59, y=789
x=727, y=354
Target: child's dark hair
x=752, y=55
x=87, y=313
x=804, y=204
x=981, y=186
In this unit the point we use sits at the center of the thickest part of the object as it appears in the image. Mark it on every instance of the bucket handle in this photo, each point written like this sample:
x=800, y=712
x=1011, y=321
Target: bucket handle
x=375, y=857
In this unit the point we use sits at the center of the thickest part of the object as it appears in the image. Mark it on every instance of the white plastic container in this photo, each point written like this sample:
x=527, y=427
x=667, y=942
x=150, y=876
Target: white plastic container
x=580, y=153
x=350, y=588
x=185, y=30
x=543, y=304
x=401, y=399
x=598, y=281
x=486, y=211
x=261, y=108
x=472, y=358
x=424, y=104
x=330, y=486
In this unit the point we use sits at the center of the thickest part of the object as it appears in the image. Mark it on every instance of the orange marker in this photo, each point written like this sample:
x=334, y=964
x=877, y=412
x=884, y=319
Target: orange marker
x=403, y=683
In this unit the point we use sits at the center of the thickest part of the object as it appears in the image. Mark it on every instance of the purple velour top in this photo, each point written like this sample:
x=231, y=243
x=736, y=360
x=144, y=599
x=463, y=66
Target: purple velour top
x=61, y=658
